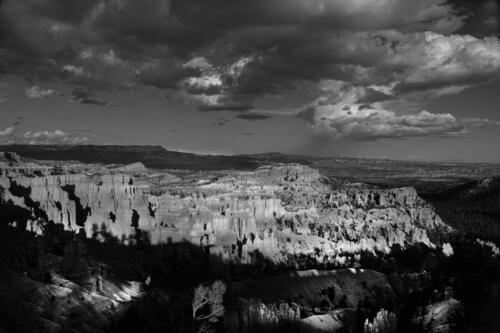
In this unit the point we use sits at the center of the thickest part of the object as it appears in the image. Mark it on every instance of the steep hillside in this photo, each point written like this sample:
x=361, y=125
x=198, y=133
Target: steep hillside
x=472, y=207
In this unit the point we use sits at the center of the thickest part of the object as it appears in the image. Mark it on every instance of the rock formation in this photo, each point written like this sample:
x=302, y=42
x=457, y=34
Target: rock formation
x=277, y=212
x=384, y=322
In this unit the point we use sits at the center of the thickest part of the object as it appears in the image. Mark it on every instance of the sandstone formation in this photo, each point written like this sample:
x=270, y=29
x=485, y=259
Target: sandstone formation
x=276, y=212
x=384, y=322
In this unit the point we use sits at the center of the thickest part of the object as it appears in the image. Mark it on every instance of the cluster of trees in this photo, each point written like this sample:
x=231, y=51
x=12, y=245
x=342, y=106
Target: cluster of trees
x=257, y=316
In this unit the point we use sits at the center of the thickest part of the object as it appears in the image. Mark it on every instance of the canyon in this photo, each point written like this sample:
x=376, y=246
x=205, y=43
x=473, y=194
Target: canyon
x=279, y=211
x=300, y=250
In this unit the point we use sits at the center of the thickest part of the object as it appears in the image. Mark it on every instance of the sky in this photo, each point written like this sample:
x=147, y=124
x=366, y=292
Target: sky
x=399, y=79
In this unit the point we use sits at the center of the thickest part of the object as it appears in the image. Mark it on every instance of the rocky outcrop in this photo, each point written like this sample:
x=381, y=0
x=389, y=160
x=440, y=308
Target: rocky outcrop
x=320, y=323
x=276, y=212
x=384, y=322
x=11, y=164
x=441, y=317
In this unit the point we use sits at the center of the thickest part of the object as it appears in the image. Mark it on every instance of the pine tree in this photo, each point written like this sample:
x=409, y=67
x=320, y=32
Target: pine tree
x=208, y=302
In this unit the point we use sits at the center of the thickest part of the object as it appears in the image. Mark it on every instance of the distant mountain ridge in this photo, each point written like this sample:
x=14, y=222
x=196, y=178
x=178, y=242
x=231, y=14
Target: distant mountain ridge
x=151, y=156
x=425, y=176
x=156, y=157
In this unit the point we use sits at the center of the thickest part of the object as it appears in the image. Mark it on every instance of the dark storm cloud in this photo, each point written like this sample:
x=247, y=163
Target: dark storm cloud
x=482, y=16
x=224, y=55
x=180, y=28
x=308, y=114
x=164, y=76
x=73, y=12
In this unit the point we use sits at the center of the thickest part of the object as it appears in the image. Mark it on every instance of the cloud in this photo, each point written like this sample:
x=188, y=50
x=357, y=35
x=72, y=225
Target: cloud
x=6, y=132
x=36, y=92
x=220, y=104
x=124, y=36
x=480, y=122
x=253, y=116
x=435, y=61
x=3, y=85
x=199, y=63
x=371, y=122
x=228, y=55
x=85, y=96
x=216, y=88
x=73, y=70
x=9, y=136
x=51, y=137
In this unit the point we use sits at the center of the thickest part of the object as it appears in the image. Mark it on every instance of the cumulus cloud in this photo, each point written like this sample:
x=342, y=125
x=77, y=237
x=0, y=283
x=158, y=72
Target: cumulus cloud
x=7, y=131
x=9, y=136
x=435, y=61
x=51, y=137
x=198, y=62
x=36, y=92
x=372, y=122
x=73, y=70
x=347, y=110
x=216, y=88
